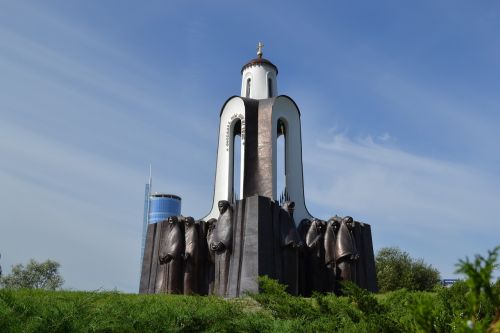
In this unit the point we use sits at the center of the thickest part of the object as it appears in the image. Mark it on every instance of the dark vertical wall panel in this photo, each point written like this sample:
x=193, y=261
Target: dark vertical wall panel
x=235, y=268
x=250, y=252
x=147, y=259
x=251, y=153
x=154, y=261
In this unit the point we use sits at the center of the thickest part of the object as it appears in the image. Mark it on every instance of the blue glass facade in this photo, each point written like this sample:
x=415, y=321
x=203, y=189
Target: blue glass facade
x=162, y=206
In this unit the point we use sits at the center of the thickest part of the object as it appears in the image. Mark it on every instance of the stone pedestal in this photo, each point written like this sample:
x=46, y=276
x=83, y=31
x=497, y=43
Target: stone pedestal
x=259, y=247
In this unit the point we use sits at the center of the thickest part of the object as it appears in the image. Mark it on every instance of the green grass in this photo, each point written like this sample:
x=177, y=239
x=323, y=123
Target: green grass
x=273, y=310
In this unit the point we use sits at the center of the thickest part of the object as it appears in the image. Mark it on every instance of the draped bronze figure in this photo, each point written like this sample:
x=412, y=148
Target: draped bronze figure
x=191, y=255
x=315, y=244
x=169, y=279
x=345, y=250
x=222, y=247
x=330, y=260
x=210, y=267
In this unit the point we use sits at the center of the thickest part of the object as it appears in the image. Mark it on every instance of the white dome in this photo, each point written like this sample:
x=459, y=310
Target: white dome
x=258, y=79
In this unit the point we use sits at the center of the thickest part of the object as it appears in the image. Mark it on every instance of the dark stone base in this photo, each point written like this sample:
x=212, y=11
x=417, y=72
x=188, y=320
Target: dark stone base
x=258, y=249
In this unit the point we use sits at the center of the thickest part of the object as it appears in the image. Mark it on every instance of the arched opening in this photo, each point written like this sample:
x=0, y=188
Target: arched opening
x=236, y=176
x=248, y=88
x=281, y=162
x=269, y=87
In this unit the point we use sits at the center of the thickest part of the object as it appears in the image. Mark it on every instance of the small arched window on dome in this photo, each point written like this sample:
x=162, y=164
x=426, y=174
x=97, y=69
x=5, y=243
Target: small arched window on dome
x=269, y=87
x=248, y=88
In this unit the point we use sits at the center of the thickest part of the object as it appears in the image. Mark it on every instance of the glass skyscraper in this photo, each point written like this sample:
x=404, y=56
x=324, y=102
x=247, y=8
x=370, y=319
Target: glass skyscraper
x=157, y=207
x=162, y=206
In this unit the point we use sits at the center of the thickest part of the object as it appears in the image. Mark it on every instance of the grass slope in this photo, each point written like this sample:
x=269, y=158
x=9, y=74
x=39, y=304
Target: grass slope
x=270, y=311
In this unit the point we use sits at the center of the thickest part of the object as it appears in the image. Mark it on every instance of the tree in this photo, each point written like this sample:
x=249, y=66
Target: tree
x=35, y=275
x=397, y=270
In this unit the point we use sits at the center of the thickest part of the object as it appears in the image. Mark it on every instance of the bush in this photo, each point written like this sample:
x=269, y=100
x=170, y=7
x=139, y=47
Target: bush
x=397, y=270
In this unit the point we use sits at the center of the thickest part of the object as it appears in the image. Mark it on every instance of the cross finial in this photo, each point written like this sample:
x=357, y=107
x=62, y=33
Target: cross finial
x=259, y=49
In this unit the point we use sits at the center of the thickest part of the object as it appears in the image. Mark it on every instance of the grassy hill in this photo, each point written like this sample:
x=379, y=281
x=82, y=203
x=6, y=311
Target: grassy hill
x=444, y=310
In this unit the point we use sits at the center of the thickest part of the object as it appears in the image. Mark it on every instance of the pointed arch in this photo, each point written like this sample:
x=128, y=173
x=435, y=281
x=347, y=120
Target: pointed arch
x=281, y=158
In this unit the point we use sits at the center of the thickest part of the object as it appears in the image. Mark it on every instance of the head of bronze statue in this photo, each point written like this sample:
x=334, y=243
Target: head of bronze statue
x=305, y=223
x=349, y=222
x=335, y=224
x=189, y=221
x=211, y=222
x=320, y=225
x=335, y=218
x=223, y=205
x=172, y=219
x=289, y=206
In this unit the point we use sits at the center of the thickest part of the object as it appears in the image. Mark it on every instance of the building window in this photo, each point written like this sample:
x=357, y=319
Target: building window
x=281, y=160
x=269, y=87
x=248, y=88
x=236, y=176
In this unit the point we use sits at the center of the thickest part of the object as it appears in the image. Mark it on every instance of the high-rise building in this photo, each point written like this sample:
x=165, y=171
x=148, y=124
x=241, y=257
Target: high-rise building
x=157, y=207
x=162, y=206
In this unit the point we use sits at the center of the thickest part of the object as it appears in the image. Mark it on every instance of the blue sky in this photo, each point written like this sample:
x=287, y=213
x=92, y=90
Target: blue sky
x=400, y=120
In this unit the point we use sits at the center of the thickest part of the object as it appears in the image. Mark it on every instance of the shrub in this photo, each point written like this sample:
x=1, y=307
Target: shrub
x=397, y=270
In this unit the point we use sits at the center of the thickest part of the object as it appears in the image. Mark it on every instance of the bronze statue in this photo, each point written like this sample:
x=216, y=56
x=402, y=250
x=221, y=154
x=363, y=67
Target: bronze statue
x=222, y=247
x=191, y=256
x=316, y=254
x=345, y=250
x=210, y=263
x=290, y=235
x=169, y=277
x=332, y=228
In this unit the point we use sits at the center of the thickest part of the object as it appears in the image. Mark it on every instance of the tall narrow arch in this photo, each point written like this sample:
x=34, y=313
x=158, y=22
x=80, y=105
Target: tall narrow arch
x=249, y=82
x=236, y=161
x=281, y=167
x=269, y=87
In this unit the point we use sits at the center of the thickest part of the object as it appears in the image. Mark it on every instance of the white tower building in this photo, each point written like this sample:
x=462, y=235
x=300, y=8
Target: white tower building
x=259, y=116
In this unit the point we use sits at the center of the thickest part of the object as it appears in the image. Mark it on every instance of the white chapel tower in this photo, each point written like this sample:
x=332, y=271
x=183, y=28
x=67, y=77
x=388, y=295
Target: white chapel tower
x=259, y=116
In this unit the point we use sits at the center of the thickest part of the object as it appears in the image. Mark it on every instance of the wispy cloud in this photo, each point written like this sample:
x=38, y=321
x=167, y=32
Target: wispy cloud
x=419, y=200
x=75, y=141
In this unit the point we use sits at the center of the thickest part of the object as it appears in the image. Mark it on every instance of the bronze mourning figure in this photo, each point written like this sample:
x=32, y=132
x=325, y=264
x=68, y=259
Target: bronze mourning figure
x=330, y=258
x=169, y=277
x=191, y=255
x=345, y=250
x=222, y=247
